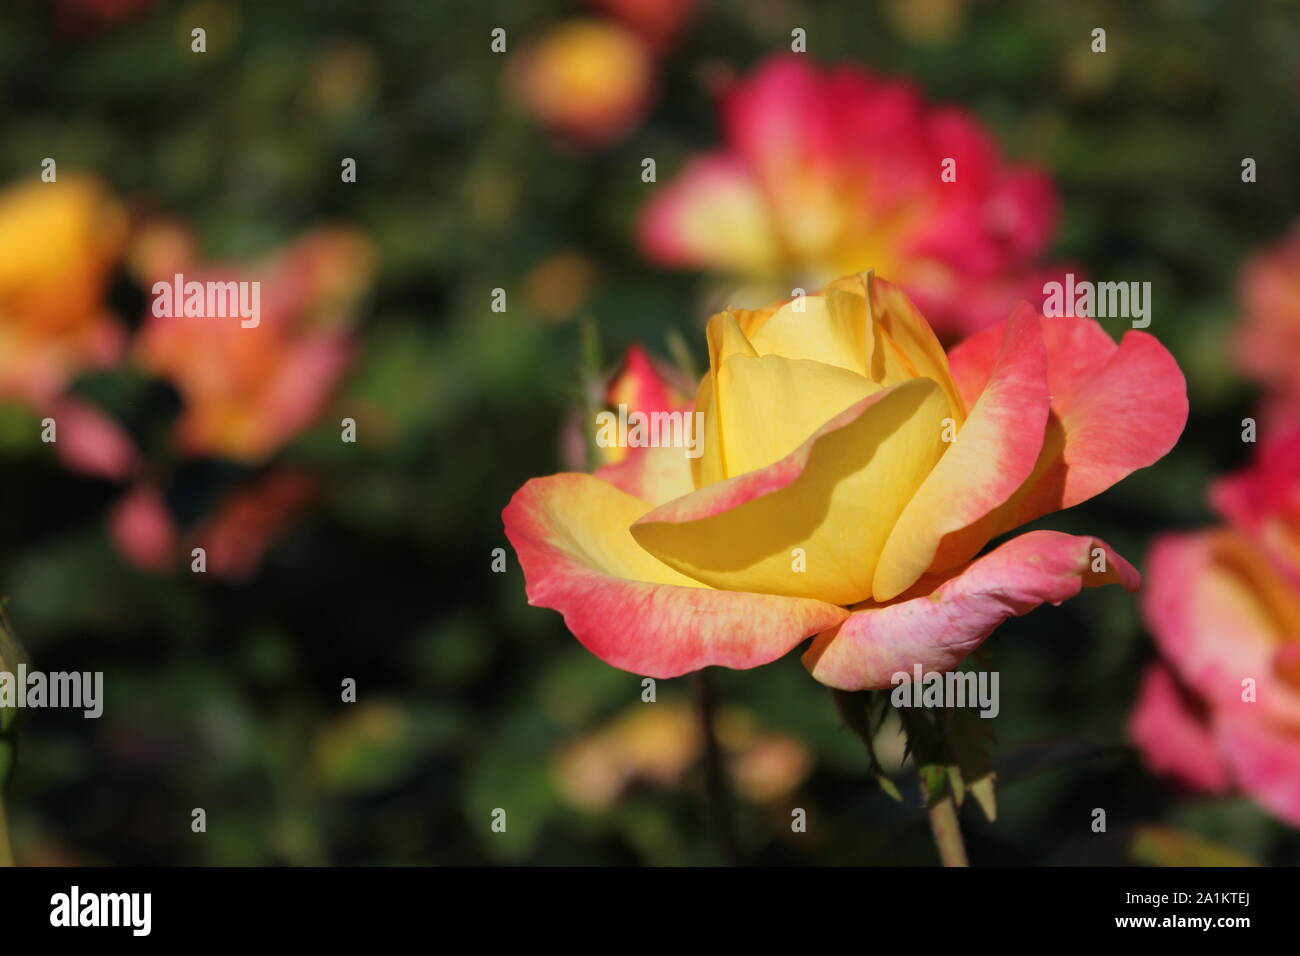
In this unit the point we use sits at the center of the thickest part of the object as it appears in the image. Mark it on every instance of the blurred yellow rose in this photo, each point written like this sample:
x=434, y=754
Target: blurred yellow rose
x=658, y=745
x=58, y=244
x=588, y=80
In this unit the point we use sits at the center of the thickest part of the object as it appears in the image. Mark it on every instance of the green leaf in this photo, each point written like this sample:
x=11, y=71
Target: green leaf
x=856, y=712
x=956, y=783
x=935, y=781
x=926, y=744
x=969, y=737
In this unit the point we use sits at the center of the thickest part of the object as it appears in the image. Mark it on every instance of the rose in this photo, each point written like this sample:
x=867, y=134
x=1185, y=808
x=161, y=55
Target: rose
x=1222, y=708
x=827, y=171
x=59, y=242
x=249, y=391
x=587, y=80
x=850, y=472
x=1267, y=337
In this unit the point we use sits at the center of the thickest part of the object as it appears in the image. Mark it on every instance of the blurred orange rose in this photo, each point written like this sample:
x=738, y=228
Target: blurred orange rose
x=588, y=80
x=247, y=391
x=58, y=244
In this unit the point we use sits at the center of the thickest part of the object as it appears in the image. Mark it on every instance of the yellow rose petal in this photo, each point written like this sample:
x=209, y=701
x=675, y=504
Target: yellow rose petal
x=807, y=328
x=770, y=406
x=836, y=499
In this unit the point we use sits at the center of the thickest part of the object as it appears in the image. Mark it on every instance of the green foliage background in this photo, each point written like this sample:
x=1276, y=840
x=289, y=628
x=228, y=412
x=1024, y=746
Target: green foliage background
x=227, y=697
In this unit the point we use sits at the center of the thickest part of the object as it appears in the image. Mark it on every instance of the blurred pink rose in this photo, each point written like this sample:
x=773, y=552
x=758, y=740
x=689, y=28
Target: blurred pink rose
x=90, y=442
x=641, y=384
x=831, y=172
x=247, y=391
x=1222, y=709
x=235, y=537
x=143, y=530
x=250, y=519
x=1268, y=334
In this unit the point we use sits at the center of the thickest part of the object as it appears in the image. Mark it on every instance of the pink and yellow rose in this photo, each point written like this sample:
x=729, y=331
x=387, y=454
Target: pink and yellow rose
x=851, y=472
x=1221, y=709
x=831, y=172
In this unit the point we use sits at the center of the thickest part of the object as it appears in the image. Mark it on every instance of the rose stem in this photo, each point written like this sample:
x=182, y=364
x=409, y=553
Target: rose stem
x=716, y=779
x=930, y=756
x=946, y=830
x=939, y=804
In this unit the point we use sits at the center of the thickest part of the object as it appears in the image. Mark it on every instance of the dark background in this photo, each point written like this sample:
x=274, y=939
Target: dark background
x=226, y=696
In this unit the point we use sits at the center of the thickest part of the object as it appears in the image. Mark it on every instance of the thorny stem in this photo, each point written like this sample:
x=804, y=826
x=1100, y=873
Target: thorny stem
x=930, y=756
x=946, y=830
x=936, y=791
